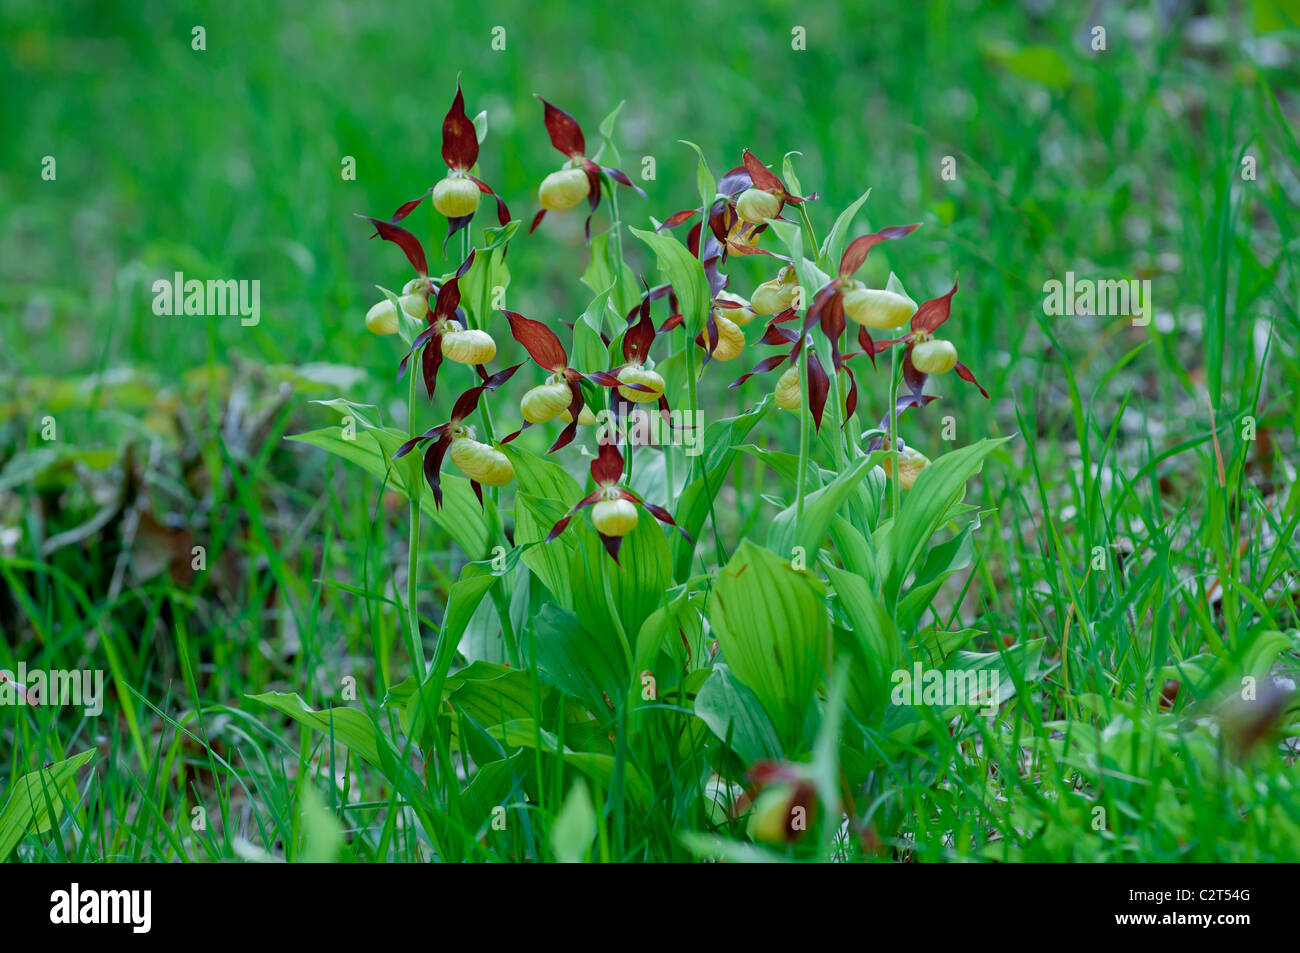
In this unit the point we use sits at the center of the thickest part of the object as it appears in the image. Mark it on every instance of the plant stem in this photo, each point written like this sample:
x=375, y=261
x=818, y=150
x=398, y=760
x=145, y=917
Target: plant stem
x=416, y=646
x=805, y=420
x=893, y=427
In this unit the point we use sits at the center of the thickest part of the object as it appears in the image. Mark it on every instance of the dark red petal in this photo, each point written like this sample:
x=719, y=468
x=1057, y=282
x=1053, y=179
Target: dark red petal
x=430, y=361
x=433, y=466
x=775, y=334
x=735, y=181
x=637, y=340
x=610, y=379
x=539, y=341
x=466, y=403
x=658, y=512
x=851, y=401
x=674, y=320
x=503, y=211
x=500, y=377
x=566, y=436
x=405, y=209
x=478, y=491
x=761, y=175
x=593, y=197
x=679, y=218
x=404, y=240
x=934, y=312
x=537, y=220
x=621, y=177
x=459, y=138
x=762, y=367
x=590, y=500
x=856, y=253
x=819, y=386
x=612, y=544
x=454, y=225
x=914, y=379
x=565, y=133
x=410, y=445
x=509, y=437
x=607, y=468
x=965, y=374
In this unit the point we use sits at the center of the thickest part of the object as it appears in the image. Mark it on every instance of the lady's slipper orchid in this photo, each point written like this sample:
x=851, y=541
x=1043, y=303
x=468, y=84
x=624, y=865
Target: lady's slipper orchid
x=819, y=384
x=561, y=394
x=447, y=336
x=843, y=294
x=457, y=195
x=579, y=178
x=784, y=801
x=483, y=464
x=614, y=509
x=746, y=194
x=925, y=353
x=637, y=380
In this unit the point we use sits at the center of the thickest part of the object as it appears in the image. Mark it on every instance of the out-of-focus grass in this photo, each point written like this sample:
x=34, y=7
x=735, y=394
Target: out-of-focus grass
x=226, y=163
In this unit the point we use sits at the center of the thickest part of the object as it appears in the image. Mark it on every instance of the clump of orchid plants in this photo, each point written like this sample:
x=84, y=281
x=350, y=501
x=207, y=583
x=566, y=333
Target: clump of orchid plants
x=445, y=316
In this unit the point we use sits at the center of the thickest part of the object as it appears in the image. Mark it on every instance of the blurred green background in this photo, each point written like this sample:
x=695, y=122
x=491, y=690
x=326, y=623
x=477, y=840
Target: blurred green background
x=226, y=162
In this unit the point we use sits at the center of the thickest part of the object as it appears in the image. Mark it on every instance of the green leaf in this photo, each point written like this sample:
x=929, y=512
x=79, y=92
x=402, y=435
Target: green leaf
x=1042, y=64
x=636, y=583
x=351, y=727
x=838, y=238
x=705, y=183
x=772, y=627
x=37, y=801
x=875, y=649
x=787, y=531
x=901, y=543
x=733, y=713
x=322, y=834
x=575, y=826
x=713, y=465
x=590, y=667
x=685, y=273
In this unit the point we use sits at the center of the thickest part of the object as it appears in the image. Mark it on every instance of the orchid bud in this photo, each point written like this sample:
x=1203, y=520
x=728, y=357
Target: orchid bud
x=545, y=402
x=910, y=465
x=636, y=374
x=456, y=196
x=877, y=308
x=563, y=189
x=777, y=295
x=731, y=340
x=741, y=316
x=382, y=318
x=616, y=517
x=789, y=390
x=480, y=462
x=468, y=346
x=934, y=356
x=757, y=206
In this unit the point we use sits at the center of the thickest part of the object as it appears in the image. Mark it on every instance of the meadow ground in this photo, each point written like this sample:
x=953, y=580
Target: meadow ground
x=1133, y=556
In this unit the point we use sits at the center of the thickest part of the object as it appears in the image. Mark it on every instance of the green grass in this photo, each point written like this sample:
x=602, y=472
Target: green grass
x=226, y=162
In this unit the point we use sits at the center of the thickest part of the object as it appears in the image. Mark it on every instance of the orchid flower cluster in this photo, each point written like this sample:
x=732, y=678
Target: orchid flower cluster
x=749, y=199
